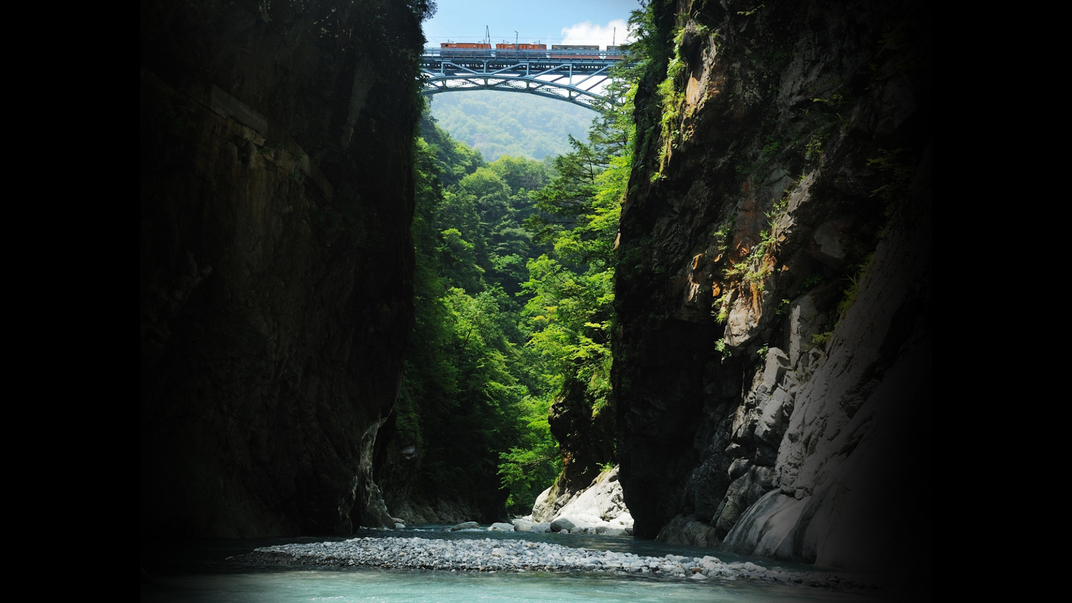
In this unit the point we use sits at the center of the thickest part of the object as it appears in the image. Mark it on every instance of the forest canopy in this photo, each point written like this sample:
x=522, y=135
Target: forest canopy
x=513, y=292
x=511, y=124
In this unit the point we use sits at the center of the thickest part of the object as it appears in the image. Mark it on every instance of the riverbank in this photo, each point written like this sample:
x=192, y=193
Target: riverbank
x=520, y=556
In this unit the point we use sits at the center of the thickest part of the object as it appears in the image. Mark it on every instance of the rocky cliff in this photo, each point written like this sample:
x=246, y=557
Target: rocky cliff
x=773, y=353
x=276, y=259
x=586, y=443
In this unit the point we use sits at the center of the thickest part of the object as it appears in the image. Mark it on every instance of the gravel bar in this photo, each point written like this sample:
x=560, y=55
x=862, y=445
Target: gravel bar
x=488, y=555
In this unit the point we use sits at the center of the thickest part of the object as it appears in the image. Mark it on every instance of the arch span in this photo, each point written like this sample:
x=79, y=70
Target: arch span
x=572, y=76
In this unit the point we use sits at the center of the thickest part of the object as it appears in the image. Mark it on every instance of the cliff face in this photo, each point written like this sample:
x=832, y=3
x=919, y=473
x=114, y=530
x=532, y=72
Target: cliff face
x=276, y=259
x=773, y=354
x=586, y=442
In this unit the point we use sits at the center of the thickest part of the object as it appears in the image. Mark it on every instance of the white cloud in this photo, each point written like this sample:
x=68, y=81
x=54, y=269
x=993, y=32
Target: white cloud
x=615, y=32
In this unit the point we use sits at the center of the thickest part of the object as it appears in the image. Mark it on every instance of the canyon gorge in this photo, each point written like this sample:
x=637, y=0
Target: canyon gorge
x=772, y=348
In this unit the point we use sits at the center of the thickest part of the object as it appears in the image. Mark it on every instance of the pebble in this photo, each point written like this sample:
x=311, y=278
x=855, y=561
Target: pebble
x=488, y=555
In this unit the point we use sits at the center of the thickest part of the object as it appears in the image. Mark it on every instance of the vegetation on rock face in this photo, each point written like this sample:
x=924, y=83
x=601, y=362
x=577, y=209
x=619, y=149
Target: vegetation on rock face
x=777, y=145
x=513, y=299
x=572, y=285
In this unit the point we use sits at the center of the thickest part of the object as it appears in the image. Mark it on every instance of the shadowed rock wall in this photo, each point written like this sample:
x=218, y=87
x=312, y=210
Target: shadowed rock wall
x=276, y=260
x=773, y=356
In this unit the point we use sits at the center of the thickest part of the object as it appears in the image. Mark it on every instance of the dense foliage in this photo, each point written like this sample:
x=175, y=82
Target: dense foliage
x=513, y=292
x=572, y=283
x=472, y=389
x=510, y=124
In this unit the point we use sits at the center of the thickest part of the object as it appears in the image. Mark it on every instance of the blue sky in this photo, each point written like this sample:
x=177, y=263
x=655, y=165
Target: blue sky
x=545, y=21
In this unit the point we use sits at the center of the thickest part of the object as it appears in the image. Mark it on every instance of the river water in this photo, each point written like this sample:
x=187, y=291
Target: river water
x=207, y=572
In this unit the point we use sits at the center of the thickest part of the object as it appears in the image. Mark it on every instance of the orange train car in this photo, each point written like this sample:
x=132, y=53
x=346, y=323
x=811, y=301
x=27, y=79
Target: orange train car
x=508, y=46
x=466, y=45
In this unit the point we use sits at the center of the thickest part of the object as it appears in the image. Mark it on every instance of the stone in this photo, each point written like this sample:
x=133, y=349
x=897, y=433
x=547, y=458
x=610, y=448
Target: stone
x=543, y=509
x=562, y=524
x=523, y=525
x=773, y=417
x=828, y=241
x=688, y=530
x=805, y=320
x=597, y=508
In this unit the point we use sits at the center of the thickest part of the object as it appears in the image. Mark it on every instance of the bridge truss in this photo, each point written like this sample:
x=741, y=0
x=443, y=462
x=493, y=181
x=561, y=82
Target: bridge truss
x=576, y=76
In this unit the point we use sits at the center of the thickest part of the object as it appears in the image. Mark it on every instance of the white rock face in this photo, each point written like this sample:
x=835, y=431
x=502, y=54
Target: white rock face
x=598, y=509
x=542, y=509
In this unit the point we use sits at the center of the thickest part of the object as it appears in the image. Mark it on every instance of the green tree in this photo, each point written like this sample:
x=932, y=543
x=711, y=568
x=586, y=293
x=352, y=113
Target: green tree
x=571, y=285
x=470, y=385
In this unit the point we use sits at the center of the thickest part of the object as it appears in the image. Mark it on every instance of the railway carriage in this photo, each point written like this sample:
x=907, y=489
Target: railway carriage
x=465, y=45
x=557, y=51
x=507, y=46
x=573, y=51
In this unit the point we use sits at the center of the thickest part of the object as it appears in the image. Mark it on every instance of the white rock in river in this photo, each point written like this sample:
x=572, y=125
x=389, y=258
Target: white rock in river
x=599, y=508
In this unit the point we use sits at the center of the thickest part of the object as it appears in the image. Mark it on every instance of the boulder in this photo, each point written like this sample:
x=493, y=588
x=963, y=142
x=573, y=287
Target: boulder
x=599, y=508
x=543, y=508
x=562, y=524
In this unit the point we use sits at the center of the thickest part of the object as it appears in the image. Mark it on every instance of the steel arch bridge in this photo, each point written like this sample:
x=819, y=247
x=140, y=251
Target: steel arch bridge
x=567, y=75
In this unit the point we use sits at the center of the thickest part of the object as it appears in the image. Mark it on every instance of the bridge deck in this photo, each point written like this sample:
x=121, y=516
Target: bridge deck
x=436, y=60
x=614, y=55
x=572, y=75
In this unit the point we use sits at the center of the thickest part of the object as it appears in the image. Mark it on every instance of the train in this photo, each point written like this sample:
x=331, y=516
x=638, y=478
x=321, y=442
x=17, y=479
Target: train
x=506, y=49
